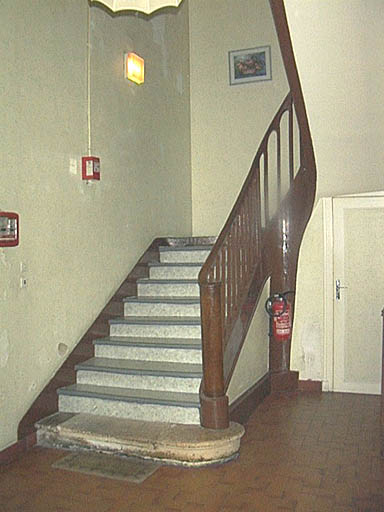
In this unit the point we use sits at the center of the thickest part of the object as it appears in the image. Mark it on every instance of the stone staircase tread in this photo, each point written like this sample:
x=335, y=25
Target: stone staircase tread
x=156, y=320
x=140, y=367
x=163, y=299
x=178, y=343
x=175, y=264
x=182, y=248
x=174, y=398
x=148, y=280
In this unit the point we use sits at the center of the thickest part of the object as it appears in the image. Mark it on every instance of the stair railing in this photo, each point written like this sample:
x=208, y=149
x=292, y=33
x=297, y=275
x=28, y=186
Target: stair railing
x=256, y=243
x=227, y=275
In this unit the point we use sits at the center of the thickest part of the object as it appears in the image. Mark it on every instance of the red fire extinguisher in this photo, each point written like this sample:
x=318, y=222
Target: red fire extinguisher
x=280, y=311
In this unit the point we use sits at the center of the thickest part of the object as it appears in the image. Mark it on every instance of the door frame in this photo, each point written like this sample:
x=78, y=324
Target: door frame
x=328, y=383
x=328, y=284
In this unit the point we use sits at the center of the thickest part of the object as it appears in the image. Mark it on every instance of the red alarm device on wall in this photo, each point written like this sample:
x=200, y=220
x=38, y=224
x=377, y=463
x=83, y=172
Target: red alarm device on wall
x=90, y=168
x=9, y=229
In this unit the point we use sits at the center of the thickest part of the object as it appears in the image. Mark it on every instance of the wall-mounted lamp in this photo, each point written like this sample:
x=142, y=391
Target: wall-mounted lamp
x=134, y=68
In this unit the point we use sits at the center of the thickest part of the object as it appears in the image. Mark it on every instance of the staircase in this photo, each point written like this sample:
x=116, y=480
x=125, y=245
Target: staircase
x=148, y=369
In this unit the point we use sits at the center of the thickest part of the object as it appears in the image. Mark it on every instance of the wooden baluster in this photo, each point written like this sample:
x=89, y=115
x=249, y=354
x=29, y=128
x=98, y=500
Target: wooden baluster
x=382, y=391
x=221, y=262
x=238, y=264
x=224, y=264
x=247, y=220
x=214, y=403
x=240, y=251
x=229, y=277
x=253, y=218
x=243, y=238
x=266, y=188
x=290, y=138
x=247, y=240
x=247, y=237
x=234, y=269
x=278, y=165
x=259, y=226
x=257, y=210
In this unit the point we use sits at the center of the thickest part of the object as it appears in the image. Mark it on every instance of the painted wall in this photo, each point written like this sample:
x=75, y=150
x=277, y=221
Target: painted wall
x=227, y=122
x=253, y=362
x=79, y=241
x=338, y=49
x=307, y=351
x=337, y=45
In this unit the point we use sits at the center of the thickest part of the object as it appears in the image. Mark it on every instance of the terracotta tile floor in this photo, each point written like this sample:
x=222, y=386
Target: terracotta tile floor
x=301, y=452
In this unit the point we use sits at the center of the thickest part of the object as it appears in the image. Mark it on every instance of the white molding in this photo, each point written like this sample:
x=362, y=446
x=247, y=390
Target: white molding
x=360, y=388
x=328, y=293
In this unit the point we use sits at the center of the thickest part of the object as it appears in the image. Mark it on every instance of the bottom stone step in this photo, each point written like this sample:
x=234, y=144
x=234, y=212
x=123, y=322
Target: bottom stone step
x=137, y=404
x=189, y=445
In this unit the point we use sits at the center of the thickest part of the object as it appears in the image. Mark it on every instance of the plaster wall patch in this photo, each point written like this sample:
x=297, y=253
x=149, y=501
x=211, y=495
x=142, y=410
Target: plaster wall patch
x=312, y=359
x=4, y=349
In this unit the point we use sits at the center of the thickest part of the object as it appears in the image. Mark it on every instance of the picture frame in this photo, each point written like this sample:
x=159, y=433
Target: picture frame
x=250, y=65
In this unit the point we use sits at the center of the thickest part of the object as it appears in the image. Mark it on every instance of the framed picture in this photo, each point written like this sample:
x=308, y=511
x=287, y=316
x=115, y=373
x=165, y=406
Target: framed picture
x=250, y=65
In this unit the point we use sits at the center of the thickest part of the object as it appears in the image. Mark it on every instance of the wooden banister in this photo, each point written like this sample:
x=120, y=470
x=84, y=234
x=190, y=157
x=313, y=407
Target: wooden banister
x=254, y=244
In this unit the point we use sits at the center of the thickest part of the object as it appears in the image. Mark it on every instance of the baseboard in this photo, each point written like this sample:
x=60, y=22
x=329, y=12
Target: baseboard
x=242, y=408
x=14, y=451
x=310, y=386
x=284, y=382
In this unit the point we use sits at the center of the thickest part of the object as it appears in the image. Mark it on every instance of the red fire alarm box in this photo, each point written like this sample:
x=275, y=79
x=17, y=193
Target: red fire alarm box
x=90, y=168
x=9, y=229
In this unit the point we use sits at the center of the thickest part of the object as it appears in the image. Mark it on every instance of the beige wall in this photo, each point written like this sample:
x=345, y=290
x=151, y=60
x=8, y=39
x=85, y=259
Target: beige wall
x=79, y=241
x=253, y=362
x=338, y=49
x=227, y=122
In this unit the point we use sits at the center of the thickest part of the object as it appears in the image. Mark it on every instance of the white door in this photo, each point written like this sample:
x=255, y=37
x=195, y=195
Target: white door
x=358, y=267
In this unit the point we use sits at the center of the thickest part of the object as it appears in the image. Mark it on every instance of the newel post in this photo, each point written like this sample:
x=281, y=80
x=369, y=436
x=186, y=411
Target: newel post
x=214, y=403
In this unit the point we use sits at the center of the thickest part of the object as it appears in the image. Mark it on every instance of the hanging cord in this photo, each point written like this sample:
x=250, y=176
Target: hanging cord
x=89, y=81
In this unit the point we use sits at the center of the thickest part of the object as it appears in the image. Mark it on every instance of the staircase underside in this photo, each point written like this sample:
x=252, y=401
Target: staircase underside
x=171, y=443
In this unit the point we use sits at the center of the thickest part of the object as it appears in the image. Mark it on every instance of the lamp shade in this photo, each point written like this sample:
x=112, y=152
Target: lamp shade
x=146, y=6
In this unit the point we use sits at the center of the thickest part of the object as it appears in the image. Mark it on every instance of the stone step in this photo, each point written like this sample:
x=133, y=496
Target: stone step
x=158, y=375
x=151, y=349
x=186, y=254
x=159, y=270
x=137, y=404
x=189, y=445
x=156, y=327
x=162, y=306
x=168, y=287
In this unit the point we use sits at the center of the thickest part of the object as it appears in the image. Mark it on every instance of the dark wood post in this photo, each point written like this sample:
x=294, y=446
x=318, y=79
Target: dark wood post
x=382, y=392
x=214, y=403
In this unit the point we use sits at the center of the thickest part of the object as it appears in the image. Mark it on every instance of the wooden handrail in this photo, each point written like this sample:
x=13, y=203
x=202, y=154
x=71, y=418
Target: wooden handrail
x=205, y=275
x=255, y=244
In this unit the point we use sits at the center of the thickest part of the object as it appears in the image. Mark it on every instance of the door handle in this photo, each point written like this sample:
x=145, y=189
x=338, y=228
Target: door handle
x=338, y=288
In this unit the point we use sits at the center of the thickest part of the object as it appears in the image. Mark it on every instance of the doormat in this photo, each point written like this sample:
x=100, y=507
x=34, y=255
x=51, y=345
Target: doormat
x=131, y=469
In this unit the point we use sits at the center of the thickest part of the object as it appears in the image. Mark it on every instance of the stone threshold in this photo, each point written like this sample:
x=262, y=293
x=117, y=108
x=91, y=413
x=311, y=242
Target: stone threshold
x=170, y=443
